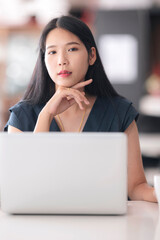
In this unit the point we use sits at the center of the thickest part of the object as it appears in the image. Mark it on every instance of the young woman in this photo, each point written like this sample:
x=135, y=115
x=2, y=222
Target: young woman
x=69, y=91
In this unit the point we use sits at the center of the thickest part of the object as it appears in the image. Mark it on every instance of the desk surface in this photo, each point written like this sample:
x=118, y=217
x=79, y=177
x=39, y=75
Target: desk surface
x=141, y=222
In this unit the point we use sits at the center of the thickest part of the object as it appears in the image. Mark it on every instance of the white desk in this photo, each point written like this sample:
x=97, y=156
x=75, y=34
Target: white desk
x=141, y=222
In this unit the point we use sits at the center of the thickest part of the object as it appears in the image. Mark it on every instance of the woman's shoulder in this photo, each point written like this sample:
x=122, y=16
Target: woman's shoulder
x=23, y=116
x=20, y=106
x=115, y=99
x=121, y=104
x=25, y=107
x=119, y=111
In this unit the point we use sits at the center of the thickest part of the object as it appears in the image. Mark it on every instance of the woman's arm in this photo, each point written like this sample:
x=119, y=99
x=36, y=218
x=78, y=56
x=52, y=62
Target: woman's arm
x=138, y=189
x=12, y=129
x=63, y=99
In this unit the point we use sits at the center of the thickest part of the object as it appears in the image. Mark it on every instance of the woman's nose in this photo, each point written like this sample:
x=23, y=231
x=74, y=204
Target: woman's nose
x=62, y=63
x=62, y=60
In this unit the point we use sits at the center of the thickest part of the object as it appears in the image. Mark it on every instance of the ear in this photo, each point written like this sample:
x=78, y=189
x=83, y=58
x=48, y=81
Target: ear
x=92, y=56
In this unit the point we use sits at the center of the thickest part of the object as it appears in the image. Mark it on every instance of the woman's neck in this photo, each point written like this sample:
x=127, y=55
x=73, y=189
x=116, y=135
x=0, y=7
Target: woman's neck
x=74, y=119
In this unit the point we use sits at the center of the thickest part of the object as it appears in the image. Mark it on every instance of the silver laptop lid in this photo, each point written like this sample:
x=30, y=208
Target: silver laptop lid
x=63, y=173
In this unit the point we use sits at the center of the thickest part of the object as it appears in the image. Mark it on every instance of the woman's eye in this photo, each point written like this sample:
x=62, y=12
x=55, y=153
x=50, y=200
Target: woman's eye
x=52, y=52
x=72, y=49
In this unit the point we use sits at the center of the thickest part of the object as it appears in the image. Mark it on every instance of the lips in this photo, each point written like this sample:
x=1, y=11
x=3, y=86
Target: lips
x=64, y=72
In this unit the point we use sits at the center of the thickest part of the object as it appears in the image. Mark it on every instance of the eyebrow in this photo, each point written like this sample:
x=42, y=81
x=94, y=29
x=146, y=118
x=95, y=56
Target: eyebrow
x=69, y=43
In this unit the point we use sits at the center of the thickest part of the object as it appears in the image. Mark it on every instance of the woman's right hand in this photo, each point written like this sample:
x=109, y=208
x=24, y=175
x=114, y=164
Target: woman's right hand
x=61, y=101
x=65, y=98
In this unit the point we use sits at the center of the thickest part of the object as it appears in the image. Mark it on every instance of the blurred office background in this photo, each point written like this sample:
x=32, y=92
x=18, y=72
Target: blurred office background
x=128, y=38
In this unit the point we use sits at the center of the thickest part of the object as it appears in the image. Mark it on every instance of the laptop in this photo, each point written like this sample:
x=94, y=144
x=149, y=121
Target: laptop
x=63, y=173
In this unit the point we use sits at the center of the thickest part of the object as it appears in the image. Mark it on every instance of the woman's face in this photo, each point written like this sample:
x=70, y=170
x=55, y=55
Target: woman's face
x=66, y=58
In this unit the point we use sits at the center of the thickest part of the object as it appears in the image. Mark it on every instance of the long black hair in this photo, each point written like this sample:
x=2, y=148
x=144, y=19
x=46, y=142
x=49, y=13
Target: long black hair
x=41, y=87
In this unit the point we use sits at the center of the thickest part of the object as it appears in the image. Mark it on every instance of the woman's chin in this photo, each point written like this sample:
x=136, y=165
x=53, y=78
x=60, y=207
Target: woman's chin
x=67, y=84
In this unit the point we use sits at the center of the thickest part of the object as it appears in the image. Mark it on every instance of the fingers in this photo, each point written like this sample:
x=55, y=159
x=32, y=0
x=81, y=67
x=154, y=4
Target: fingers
x=82, y=84
x=73, y=95
x=78, y=96
x=71, y=101
x=69, y=97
